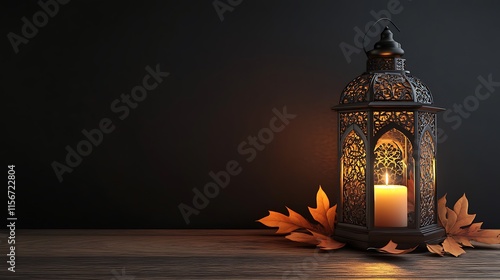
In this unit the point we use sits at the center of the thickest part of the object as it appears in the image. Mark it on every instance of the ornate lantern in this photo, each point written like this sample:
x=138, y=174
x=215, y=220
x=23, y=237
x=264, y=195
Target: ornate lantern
x=387, y=154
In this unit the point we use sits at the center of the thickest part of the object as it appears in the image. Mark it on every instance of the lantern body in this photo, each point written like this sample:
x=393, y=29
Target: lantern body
x=387, y=155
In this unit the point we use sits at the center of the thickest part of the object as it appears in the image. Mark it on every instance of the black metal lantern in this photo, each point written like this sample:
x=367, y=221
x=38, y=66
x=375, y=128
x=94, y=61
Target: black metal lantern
x=387, y=154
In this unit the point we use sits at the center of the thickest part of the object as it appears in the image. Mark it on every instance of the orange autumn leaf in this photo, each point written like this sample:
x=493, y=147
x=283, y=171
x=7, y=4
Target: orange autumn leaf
x=436, y=249
x=452, y=247
x=323, y=213
x=475, y=233
x=326, y=242
x=391, y=248
x=442, y=220
x=302, y=238
x=320, y=233
x=460, y=230
x=322, y=241
x=286, y=224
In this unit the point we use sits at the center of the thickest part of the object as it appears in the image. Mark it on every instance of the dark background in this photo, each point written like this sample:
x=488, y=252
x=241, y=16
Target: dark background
x=225, y=79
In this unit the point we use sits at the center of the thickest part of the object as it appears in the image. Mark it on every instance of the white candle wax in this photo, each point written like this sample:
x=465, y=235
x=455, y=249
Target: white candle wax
x=390, y=206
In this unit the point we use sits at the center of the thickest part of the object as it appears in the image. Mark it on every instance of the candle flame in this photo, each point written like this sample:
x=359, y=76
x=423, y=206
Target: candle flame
x=386, y=178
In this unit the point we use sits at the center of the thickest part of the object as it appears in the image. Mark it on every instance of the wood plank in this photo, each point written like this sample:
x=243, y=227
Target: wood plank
x=221, y=254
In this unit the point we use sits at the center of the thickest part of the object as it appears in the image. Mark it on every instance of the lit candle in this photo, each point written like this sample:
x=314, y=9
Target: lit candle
x=390, y=205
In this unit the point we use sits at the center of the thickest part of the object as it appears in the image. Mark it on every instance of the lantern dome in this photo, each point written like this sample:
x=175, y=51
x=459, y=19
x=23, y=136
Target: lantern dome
x=386, y=78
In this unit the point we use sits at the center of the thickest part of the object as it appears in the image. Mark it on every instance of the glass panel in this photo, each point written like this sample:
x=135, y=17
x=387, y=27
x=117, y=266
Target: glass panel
x=395, y=165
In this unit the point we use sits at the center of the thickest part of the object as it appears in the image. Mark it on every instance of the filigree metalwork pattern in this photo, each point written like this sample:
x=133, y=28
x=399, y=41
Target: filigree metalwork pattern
x=393, y=153
x=422, y=92
x=354, y=179
x=427, y=180
x=426, y=119
x=400, y=64
x=392, y=87
x=358, y=118
x=388, y=159
x=382, y=63
x=405, y=119
x=356, y=90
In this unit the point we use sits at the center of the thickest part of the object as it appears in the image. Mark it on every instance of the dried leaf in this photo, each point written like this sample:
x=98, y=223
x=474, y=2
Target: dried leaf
x=462, y=240
x=452, y=218
x=461, y=208
x=436, y=249
x=442, y=220
x=326, y=242
x=331, y=215
x=303, y=238
x=390, y=248
x=320, y=234
x=297, y=219
x=285, y=224
x=460, y=229
x=474, y=232
x=323, y=213
x=322, y=241
x=452, y=247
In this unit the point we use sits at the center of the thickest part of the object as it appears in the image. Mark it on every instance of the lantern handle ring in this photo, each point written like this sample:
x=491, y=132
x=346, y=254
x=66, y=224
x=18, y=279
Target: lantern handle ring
x=364, y=37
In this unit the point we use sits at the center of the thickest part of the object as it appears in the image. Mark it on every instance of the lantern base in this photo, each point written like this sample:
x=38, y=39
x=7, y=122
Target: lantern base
x=362, y=238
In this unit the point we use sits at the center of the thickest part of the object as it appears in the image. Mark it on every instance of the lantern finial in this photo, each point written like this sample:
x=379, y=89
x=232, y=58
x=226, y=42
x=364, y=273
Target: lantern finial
x=386, y=47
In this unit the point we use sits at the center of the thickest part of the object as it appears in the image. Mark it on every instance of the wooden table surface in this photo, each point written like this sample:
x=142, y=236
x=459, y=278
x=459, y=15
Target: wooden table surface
x=220, y=254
